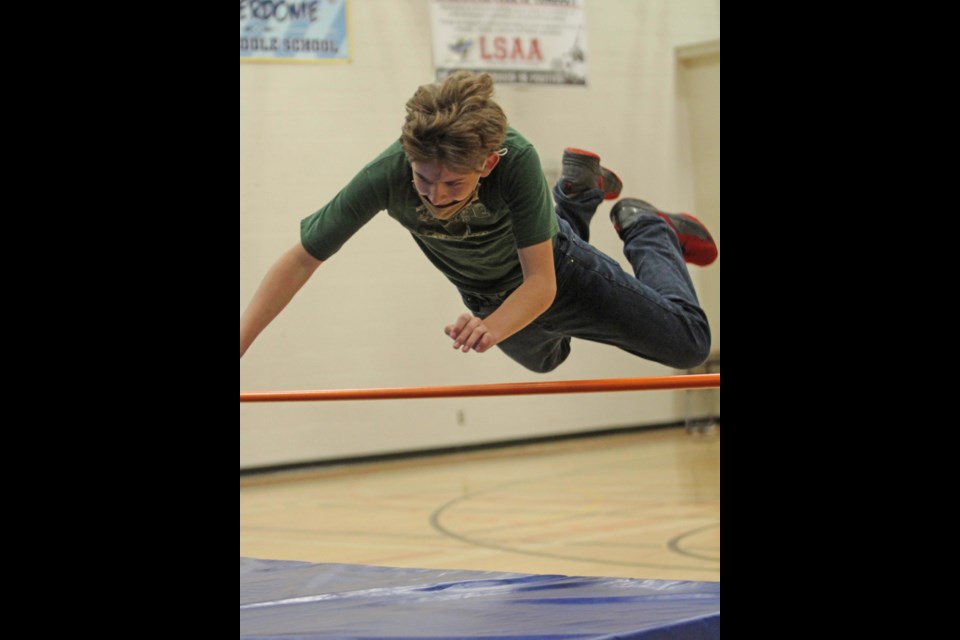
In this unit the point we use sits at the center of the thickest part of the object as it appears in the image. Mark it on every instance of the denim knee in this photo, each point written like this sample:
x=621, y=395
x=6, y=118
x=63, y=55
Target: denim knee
x=548, y=366
x=693, y=350
x=539, y=360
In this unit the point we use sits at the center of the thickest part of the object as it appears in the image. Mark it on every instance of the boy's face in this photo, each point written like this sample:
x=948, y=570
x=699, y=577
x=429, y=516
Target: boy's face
x=443, y=187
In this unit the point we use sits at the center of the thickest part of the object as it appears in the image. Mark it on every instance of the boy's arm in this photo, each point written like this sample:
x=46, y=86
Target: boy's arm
x=524, y=305
x=281, y=284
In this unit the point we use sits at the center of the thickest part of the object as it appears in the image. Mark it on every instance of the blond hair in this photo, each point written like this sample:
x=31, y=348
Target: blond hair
x=455, y=122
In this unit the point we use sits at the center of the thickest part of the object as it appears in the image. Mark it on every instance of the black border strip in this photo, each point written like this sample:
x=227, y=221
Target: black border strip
x=431, y=453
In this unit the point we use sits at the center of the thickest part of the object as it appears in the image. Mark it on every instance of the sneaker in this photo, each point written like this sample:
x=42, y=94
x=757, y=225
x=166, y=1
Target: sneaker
x=582, y=172
x=698, y=245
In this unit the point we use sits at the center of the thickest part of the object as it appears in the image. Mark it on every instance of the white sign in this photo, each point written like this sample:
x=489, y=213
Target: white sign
x=516, y=41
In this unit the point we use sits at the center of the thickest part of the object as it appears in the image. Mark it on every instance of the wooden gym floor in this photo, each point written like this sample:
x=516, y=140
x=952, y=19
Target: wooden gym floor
x=640, y=505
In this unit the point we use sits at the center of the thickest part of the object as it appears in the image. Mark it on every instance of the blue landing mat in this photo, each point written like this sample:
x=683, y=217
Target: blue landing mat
x=299, y=601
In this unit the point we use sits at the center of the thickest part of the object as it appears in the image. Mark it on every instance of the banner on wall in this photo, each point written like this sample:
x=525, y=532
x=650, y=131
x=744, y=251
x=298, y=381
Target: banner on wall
x=287, y=31
x=517, y=41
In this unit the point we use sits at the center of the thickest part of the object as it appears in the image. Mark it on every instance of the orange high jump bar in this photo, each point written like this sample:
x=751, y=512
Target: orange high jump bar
x=706, y=381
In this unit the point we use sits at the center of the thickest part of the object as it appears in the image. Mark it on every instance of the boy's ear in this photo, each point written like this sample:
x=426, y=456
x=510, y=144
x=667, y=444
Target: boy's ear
x=490, y=164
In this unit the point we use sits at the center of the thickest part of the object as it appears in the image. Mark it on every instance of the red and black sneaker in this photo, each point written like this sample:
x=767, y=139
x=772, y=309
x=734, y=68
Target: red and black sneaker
x=582, y=172
x=698, y=245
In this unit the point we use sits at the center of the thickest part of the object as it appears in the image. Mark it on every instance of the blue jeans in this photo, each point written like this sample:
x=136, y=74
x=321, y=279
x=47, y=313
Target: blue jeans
x=654, y=313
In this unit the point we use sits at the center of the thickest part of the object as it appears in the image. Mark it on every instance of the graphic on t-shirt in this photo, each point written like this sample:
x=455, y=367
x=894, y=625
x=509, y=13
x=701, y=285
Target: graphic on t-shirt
x=459, y=227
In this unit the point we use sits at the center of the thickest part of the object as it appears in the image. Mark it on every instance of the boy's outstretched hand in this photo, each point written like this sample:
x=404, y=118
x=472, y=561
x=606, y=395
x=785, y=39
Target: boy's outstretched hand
x=470, y=333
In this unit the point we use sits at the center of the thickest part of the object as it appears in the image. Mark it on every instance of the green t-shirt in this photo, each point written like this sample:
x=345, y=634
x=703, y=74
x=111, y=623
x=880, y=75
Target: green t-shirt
x=477, y=248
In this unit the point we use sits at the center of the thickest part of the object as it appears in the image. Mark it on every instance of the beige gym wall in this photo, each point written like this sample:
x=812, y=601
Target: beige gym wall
x=373, y=315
